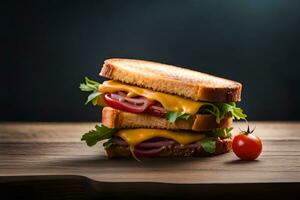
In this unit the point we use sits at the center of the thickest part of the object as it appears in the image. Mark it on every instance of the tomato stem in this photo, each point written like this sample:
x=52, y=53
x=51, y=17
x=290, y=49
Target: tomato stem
x=248, y=131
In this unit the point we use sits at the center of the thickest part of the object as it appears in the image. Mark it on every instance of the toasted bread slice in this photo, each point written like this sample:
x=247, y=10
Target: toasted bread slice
x=222, y=146
x=171, y=79
x=114, y=118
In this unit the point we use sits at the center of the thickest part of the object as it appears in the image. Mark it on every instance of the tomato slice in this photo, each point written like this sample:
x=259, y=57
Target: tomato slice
x=120, y=101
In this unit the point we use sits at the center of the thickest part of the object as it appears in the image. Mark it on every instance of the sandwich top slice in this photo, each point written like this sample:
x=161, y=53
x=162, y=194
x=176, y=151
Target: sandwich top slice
x=177, y=101
x=171, y=79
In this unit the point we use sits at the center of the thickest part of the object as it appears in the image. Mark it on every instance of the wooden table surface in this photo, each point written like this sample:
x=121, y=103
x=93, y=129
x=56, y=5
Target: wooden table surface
x=53, y=151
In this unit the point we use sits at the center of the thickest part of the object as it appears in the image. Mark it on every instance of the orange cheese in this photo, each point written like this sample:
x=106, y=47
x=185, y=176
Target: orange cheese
x=169, y=102
x=136, y=136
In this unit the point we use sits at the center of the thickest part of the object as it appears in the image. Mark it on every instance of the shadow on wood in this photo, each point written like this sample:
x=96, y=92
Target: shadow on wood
x=77, y=187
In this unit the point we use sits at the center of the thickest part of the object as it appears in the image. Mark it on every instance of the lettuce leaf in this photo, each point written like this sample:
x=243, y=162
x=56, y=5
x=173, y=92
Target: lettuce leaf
x=108, y=143
x=90, y=86
x=100, y=133
x=208, y=145
x=173, y=116
x=221, y=110
x=220, y=132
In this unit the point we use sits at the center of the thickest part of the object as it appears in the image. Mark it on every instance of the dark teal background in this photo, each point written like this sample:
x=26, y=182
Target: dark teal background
x=47, y=47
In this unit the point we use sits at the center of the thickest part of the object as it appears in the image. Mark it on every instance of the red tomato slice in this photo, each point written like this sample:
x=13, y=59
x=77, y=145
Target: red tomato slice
x=129, y=104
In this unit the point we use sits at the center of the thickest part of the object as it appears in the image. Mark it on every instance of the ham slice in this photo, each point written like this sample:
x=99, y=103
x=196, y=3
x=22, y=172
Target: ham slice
x=153, y=147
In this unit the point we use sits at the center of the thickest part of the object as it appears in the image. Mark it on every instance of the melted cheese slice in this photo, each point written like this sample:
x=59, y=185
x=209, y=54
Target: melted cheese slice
x=169, y=102
x=136, y=136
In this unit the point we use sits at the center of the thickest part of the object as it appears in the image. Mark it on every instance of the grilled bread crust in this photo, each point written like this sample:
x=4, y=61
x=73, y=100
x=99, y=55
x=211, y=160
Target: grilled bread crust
x=171, y=79
x=222, y=146
x=114, y=118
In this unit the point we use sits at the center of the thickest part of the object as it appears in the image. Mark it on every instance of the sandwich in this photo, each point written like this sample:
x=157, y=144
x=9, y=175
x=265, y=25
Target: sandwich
x=158, y=110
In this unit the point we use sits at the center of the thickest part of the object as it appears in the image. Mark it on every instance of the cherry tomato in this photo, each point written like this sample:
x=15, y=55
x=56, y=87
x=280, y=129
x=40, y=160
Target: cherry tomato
x=246, y=145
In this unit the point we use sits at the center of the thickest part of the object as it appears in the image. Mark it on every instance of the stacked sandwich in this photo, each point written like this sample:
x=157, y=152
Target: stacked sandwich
x=158, y=110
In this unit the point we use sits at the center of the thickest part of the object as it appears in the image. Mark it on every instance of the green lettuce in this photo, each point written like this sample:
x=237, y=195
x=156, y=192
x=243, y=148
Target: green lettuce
x=220, y=132
x=90, y=86
x=100, y=133
x=221, y=110
x=208, y=145
x=173, y=116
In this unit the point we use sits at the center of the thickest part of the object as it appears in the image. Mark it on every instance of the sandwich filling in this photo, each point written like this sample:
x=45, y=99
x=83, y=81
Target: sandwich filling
x=141, y=97
x=144, y=142
x=140, y=100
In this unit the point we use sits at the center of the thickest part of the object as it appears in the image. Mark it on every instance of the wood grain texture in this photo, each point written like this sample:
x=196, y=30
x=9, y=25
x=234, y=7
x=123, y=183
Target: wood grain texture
x=28, y=149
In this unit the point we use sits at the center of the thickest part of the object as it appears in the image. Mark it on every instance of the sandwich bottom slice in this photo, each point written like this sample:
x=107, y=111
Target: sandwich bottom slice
x=141, y=143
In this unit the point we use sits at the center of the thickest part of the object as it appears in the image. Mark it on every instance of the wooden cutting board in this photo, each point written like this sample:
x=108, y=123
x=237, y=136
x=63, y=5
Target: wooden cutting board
x=39, y=152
